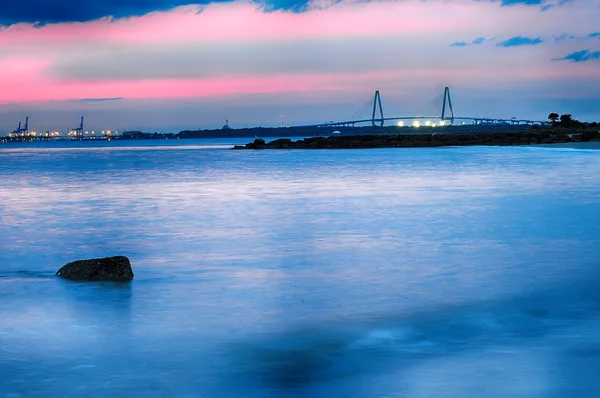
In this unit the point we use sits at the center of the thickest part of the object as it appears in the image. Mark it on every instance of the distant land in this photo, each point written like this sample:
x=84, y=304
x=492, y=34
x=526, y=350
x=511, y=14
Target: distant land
x=554, y=122
x=272, y=132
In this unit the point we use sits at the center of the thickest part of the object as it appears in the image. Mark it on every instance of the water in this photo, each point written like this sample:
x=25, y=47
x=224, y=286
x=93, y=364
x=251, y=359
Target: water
x=445, y=272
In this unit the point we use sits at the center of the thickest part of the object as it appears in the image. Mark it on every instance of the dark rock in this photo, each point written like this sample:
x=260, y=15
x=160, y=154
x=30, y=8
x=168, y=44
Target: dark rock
x=282, y=143
x=285, y=141
x=433, y=139
x=591, y=136
x=98, y=269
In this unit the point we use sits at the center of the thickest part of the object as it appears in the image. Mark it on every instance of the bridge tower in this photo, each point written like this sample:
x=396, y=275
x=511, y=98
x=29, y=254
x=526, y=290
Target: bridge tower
x=377, y=103
x=447, y=97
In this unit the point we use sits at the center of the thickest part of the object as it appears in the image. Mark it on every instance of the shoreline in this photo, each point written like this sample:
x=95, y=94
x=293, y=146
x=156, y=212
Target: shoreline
x=428, y=140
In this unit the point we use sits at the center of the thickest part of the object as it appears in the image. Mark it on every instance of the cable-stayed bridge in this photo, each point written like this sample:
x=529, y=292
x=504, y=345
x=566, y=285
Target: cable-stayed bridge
x=446, y=118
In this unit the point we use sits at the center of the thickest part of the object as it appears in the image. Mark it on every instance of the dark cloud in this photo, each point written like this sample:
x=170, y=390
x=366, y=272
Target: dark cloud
x=54, y=11
x=520, y=41
x=44, y=11
x=580, y=56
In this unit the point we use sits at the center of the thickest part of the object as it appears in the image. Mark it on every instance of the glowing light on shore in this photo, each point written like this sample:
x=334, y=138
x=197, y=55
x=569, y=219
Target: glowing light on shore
x=400, y=123
x=427, y=123
x=442, y=122
x=416, y=123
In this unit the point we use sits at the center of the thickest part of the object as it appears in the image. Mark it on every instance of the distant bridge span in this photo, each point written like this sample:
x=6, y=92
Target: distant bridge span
x=443, y=118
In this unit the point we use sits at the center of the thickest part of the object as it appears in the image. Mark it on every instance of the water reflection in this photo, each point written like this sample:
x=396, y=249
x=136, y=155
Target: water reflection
x=334, y=352
x=301, y=273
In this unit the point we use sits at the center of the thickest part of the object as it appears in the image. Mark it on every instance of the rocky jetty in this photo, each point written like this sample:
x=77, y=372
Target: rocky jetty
x=528, y=137
x=98, y=269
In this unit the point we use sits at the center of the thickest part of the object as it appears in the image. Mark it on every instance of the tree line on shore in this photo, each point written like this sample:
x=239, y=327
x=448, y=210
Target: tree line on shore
x=566, y=120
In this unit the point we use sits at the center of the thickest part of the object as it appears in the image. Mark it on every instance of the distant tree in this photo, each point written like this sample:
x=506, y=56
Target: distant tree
x=566, y=120
x=553, y=117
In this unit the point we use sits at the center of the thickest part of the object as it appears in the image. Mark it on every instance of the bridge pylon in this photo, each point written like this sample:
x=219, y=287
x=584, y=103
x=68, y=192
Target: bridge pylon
x=447, y=98
x=376, y=104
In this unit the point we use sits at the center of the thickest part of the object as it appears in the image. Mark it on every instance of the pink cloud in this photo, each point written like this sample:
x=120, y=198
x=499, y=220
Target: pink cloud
x=239, y=21
x=422, y=31
x=33, y=86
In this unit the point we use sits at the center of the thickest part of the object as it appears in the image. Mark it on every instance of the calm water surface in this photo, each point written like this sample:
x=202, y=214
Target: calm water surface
x=445, y=272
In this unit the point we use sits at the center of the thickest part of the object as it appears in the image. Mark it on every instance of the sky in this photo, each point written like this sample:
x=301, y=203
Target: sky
x=169, y=65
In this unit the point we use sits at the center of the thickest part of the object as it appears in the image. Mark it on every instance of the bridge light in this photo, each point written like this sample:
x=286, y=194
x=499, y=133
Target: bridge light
x=400, y=123
x=416, y=123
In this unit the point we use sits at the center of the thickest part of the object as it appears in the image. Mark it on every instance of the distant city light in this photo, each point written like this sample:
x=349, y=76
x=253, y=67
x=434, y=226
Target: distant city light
x=427, y=123
x=432, y=124
x=400, y=123
x=416, y=123
x=442, y=122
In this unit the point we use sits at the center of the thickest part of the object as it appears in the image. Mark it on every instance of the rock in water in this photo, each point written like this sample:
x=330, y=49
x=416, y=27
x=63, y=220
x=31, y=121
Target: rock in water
x=98, y=269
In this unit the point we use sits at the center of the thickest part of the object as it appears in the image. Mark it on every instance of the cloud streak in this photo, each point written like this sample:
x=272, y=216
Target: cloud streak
x=100, y=99
x=518, y=41
x=476, y=41
x=522, y=2
x=580, y=56
x=567, y=37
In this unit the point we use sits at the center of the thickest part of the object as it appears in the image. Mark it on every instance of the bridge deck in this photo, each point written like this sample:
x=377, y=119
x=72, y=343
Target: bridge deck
x=450, y=119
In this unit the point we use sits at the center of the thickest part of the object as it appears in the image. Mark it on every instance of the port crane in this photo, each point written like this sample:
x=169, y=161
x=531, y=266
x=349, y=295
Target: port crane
x=79, y=130
x=25, y=129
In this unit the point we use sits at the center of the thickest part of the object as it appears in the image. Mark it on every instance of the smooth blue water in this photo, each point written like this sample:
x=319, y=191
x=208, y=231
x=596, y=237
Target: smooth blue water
x=445, y=272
